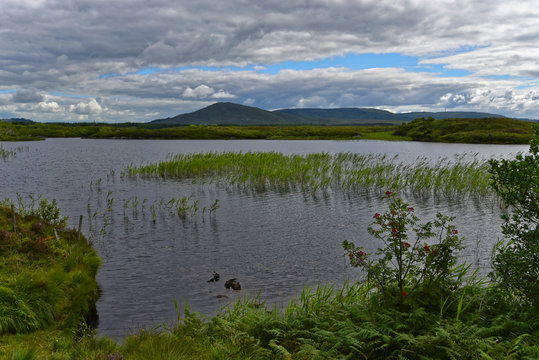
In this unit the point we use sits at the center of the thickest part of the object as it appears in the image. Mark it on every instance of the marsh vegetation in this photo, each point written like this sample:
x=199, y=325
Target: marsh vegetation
x=442, y=310
x=321, y=171
x=485, y=131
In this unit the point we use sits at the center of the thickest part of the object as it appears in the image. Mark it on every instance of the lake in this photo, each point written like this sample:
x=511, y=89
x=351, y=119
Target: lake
x=274, y=243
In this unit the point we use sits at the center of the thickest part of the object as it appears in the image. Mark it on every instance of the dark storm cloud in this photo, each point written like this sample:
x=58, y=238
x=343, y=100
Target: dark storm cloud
x=27, y=96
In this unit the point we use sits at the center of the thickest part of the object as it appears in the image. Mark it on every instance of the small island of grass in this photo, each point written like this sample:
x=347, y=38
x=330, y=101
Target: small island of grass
x=474, y=131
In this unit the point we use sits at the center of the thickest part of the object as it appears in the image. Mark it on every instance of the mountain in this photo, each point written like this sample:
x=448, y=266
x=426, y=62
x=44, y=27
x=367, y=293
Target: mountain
x=340, y=115
x=17, y=120
x=448, y=115
x=226, y=113
x=360, y=115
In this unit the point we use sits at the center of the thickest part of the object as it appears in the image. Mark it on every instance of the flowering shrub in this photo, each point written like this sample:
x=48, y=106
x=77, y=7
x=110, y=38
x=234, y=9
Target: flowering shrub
x=407, y=261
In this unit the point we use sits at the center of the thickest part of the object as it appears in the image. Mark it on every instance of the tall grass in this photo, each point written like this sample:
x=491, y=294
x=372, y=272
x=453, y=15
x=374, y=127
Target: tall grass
x=10, y=153
x=351, y=322
x=47, y=275
x=262, y=171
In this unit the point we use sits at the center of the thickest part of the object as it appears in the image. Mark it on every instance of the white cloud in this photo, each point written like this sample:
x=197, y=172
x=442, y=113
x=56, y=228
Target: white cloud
x=204, y=91
x=49, y=106
x=200, y=92
x=221, y=94
x=87, y=108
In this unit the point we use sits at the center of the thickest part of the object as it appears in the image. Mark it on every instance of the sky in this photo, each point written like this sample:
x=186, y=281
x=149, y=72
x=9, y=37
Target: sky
x=139, y=60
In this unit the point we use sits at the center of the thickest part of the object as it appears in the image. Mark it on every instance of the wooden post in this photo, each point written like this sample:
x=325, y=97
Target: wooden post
x=13, y=218
x=80, y=227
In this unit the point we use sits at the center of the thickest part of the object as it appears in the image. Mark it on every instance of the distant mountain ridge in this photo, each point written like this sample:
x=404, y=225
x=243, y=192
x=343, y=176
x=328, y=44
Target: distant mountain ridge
x=226, y=113
x=19, y=120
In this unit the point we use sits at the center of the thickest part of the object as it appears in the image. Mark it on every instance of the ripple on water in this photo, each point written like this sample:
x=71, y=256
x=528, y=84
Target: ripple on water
x=273, y=242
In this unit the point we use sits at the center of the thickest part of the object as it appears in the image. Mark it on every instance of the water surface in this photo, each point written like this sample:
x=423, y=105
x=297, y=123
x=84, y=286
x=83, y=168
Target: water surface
x=273, y=242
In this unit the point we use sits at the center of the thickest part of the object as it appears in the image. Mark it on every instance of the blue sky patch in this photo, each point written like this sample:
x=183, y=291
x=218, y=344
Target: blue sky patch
x=55, y=93
x=349, y=61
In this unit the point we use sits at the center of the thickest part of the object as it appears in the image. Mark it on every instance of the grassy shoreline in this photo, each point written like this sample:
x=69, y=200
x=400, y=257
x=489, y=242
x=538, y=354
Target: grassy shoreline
x=48, y=288
x=323, y=322
x=485, y=131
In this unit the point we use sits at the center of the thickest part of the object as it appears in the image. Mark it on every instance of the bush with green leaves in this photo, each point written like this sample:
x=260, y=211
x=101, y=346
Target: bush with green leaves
x=50, y=213
x=408, y=262
x=516, y=263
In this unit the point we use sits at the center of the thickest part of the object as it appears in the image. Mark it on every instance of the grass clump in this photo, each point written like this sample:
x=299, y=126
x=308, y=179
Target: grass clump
x=6, y=154
x=47, y=277
x=312, y=172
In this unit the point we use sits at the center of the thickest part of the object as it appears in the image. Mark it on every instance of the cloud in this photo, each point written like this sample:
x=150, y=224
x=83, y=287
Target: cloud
x=49, y=107
x=208, y=51
x=200, y=92
x=27, y=96
x=87, y=108
x=204, y=91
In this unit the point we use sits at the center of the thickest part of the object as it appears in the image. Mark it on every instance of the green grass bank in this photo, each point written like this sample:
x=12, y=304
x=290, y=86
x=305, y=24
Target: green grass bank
x=487, y=131
x=47, y=282
x=48, y=289
x=474, y=131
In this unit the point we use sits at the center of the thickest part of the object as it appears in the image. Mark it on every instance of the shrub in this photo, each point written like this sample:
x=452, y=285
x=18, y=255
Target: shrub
x=50, y=213
x=516, y=263
x=408, y=262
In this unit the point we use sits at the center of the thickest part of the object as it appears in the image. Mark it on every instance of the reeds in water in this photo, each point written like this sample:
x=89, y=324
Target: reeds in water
x=321, y=171
x=9, y=153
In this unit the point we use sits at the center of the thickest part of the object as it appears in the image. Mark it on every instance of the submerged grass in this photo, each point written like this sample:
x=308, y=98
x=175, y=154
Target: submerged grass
x=10, y=153
x=312, y=172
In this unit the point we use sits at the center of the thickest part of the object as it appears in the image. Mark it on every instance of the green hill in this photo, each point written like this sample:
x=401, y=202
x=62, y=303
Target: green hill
x=226, y=113
x=235, y=114
x=17, y=120
x=484, y=131
x=360, y=115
